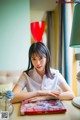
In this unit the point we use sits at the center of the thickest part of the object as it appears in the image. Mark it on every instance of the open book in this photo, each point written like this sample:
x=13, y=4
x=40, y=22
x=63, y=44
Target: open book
x=42, y=107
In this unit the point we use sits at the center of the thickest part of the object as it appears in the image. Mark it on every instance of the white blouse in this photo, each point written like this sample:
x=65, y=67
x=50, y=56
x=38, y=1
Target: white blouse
x=34, y=81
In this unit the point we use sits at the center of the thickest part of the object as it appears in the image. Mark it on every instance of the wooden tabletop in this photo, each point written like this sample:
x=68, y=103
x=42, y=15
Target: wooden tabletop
x=72, y=113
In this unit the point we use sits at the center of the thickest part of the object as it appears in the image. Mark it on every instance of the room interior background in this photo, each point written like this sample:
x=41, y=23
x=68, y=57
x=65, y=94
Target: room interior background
x=15, y=38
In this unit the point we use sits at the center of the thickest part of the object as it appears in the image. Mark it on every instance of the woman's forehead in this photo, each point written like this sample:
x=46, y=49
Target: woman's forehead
x=36, y=54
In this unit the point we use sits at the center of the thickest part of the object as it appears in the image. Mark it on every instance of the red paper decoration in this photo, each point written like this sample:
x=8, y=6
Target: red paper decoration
x=37, y=30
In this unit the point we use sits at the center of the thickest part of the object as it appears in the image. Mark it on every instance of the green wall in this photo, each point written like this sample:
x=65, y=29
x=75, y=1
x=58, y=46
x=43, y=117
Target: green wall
x=14, y=34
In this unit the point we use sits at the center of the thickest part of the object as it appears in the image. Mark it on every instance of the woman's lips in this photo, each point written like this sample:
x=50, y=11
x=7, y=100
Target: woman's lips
x=39, y=67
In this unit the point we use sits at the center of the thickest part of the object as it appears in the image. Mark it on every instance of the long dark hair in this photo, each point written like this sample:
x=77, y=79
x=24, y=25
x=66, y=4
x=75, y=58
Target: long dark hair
x=42, y=50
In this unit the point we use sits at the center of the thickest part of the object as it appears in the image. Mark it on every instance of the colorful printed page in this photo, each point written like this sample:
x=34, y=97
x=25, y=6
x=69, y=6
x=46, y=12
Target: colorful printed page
x=42, y=107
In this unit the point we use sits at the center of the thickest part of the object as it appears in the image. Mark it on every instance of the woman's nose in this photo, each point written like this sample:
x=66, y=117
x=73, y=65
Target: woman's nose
x=38, y=62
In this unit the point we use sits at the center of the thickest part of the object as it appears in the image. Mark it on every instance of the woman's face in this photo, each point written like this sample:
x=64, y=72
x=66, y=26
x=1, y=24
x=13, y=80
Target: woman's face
x=39, y=63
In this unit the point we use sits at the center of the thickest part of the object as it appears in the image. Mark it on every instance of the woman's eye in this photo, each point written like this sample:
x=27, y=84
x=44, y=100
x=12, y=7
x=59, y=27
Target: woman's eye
x=33, y=59
x=40, y=58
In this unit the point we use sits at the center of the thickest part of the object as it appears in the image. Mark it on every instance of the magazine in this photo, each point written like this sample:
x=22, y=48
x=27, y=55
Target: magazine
x=42, y=107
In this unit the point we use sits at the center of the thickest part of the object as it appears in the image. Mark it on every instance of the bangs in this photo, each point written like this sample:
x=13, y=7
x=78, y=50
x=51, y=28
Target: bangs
x=38, y=52
x=38, y=49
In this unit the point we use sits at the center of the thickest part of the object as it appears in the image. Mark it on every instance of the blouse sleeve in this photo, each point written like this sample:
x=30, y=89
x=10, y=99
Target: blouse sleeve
x=22, y=80
x=61, y=79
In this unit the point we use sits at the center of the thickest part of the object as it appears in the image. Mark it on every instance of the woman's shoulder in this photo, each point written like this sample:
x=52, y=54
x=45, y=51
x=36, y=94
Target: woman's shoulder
x=59, y=75
x=29, y=73
x=23, y=75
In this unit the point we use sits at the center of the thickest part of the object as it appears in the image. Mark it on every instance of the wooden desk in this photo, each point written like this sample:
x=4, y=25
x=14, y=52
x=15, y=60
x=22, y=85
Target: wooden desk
x=72, y=113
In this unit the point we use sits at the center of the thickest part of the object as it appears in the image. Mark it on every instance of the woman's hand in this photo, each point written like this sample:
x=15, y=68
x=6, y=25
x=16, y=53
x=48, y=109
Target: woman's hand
x=34, y=99
x=55, y=93
x=45, y=95
x=37, y=98
x=48, y=92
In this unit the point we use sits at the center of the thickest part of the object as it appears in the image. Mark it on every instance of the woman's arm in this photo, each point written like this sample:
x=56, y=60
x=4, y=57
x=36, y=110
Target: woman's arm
x=46, y=95
x=67, y=92
x=67, y=95
x=19, y=95
x=38, y=98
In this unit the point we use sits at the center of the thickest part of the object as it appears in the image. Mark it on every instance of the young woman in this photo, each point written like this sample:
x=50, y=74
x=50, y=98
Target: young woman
x=40, y=80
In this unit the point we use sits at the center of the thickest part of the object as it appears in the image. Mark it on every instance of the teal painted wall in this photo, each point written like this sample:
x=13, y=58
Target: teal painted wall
x=14, y=34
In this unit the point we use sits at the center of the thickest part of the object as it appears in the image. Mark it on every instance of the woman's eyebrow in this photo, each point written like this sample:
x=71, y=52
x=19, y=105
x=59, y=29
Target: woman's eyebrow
x=32, y=57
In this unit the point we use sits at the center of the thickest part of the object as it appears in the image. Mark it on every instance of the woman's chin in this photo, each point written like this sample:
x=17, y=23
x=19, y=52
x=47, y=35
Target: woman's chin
x=39, y=69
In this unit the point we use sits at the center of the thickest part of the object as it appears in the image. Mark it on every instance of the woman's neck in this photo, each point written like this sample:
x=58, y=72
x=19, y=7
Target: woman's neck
x=42, y=73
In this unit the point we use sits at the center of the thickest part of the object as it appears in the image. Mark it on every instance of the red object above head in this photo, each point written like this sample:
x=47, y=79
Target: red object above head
x=37, y=30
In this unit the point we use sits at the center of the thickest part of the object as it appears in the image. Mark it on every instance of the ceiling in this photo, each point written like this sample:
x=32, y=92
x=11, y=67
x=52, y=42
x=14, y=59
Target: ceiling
x=38, y=8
